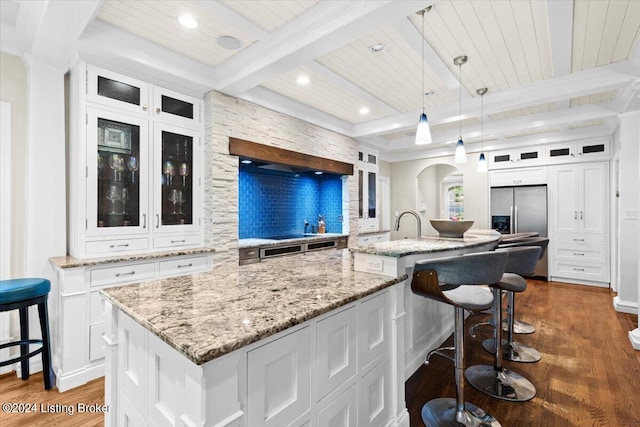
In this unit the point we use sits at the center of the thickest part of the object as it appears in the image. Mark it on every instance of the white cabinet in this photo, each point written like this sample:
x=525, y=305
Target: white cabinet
x=522, y=157
x=520, y=176
x=368, y=191
x=135, y=175
x=369, y=238
x=78, y=315
x=579, y=223
x=570, y=152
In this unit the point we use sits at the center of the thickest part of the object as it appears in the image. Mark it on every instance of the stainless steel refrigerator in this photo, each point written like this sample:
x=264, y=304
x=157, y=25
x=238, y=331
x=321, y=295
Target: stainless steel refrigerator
x=519, y=210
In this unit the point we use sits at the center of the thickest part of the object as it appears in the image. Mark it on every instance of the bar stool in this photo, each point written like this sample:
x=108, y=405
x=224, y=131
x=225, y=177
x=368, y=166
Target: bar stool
x=520, y=327
x=454, y=281
x=495, y=380
x=20, y=294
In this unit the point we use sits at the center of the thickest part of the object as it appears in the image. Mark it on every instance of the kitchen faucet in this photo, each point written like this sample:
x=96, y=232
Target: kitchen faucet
x=418, y=222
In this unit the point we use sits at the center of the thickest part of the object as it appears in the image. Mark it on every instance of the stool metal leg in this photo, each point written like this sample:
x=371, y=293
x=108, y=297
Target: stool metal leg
x=449, y=412
x=24, y=336
x=47, y=370
x=495, y=380
x=512, y=350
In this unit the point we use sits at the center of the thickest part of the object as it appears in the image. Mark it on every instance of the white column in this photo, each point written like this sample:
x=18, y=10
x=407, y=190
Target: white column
x=45, y=174
x=634, y=336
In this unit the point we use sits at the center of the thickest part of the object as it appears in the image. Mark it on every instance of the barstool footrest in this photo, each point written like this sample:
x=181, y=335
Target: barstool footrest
x=26, y=356
x=439, y=352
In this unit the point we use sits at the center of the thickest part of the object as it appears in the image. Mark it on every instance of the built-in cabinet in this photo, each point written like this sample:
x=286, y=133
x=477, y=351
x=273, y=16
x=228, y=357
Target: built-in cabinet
x=334, y=370
x=136, y=166
x=78, y=315
x=579, y=221
x=368, y=191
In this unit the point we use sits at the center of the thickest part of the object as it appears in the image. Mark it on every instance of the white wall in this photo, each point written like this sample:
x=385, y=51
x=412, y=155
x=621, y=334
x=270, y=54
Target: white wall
x=404, y=190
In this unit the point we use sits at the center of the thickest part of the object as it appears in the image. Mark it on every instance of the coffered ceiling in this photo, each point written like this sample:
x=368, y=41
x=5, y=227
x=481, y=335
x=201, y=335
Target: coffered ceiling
x=555, y=69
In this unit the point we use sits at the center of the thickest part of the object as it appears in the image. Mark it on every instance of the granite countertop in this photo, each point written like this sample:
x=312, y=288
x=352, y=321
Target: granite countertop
x=71, y=262
x=207, y=315
x=366, y=233
x=427, y=244
x=251, y=243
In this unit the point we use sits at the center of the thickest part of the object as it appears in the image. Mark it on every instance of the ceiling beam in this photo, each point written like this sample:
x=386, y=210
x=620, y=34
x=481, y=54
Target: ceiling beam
x=320, y=30
x=581, y=83
x=560, y=14
x=502, y=128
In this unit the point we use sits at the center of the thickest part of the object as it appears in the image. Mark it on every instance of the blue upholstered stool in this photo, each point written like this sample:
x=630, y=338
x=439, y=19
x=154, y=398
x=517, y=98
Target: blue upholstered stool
x=20, y=294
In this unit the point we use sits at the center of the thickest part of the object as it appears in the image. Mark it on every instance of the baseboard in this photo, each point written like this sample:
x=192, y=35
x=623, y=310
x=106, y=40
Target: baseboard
x=411, y=366
x=625, y=306
x=634, y=337
x=570, y=281
x=75, y=379
x=35, y=366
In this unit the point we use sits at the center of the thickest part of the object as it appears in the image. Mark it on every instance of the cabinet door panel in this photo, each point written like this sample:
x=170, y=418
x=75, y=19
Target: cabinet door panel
x=593, y=210
x=132, y=361
x=176, y=108
x=336, y=351
x=373, y=327
x=116, y=90
x=279, y=381
x=374, y=400
x=342, y=412
x=565, y=199
x=117, y=170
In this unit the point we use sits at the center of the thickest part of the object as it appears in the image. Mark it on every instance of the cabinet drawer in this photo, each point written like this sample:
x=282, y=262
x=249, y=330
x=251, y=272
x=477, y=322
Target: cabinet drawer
x=176, y=241
x=342, y=243
x=122, y=274
x=96, y=308
x=96, y=343
x=579, y=239
x=524, y=176
x=588, y=271
x=114, y=246
x=249, y=253
x=179, y=266
x=579, y=253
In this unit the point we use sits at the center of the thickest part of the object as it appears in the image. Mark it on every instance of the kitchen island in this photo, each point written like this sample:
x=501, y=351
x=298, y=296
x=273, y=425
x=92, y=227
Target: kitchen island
x=427, y=323
x=298, y=340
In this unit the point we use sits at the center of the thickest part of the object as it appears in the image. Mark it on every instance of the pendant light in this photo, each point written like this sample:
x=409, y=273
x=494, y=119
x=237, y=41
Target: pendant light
x=482, y=162
x=423, y=133
x=461, y=155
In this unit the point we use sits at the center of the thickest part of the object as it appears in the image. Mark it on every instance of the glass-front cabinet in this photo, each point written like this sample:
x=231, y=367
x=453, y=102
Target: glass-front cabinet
x=175, y=171
x=117, y=177
x=368, y=191
x=135, y=165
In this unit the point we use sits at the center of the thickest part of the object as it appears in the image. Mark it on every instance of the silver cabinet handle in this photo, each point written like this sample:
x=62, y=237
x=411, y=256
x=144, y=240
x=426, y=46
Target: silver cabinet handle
x=158, y=110
x=578, y=240
x=580, y=214
x=578, y=269
x=178, y=241
x=126, y=245
x=575, y=214
x=144, y=220
x=185, y=265
x=157, y=221
x=144, y=108
x=131, y=273
x=578, y=254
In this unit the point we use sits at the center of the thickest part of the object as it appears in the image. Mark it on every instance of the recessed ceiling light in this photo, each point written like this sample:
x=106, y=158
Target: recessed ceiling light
x=303, y=80
x=188, y=21
x=229, y=42
x=246, y=161
x=364, y=111
x=318, y=172
x=376, y=48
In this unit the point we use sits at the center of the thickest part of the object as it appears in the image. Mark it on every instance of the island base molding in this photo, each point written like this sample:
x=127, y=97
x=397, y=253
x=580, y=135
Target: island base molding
x=340, y=368
x=622, y=306
x=634, y=337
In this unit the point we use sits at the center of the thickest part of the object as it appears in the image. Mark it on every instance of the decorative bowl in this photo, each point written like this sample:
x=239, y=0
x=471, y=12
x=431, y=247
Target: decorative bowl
x=449, y=228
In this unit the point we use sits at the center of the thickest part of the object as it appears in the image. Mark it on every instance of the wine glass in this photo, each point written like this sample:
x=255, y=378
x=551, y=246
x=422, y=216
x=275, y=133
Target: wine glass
x=120, y=167
x=100, y=162
x=113, y=195
x=133, y=166
x=181, y=200
x=125, y=197
x=184, y=171
x=169, y=170
x=174, y=197
x=114, y=160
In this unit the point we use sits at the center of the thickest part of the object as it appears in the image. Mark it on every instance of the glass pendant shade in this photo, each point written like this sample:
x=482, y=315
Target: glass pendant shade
x=461, y=154
x=423, y=134
x=482, y=163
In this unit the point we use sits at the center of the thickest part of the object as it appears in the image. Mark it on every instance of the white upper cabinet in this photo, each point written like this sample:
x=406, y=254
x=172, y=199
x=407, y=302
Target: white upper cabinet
x=135, y=175
x=528, y=156
x=176, y=108
x=116, y=90
x=570, y=152
x=368, y=191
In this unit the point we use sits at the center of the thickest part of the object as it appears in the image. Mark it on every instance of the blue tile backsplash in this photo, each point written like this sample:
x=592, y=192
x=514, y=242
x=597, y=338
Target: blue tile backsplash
x=274, y=203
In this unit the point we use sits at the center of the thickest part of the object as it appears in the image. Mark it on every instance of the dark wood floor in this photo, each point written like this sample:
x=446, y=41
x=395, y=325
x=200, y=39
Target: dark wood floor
x=589, y=374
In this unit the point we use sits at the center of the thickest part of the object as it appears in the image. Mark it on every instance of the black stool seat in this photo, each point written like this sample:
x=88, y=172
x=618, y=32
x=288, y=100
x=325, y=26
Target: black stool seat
x=19, y=294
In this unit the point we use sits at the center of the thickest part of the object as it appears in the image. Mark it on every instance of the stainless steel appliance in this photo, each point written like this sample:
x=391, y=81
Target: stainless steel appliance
x=519, y=210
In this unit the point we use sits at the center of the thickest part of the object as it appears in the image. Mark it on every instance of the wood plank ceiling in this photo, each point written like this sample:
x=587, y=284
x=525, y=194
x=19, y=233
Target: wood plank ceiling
x=515, y=48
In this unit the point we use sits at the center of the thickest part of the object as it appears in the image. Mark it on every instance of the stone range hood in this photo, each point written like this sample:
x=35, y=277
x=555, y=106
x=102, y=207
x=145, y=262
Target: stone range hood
x=286, y=160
